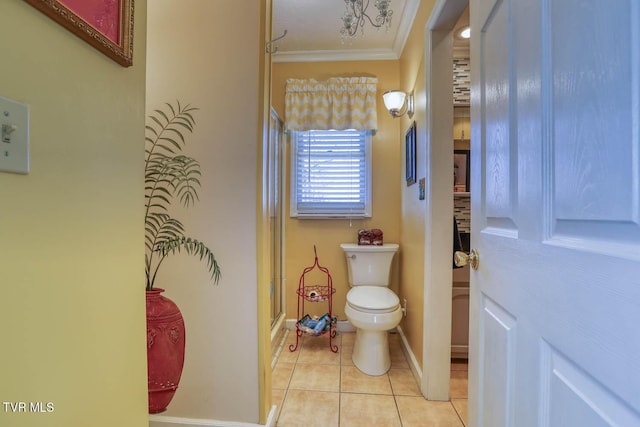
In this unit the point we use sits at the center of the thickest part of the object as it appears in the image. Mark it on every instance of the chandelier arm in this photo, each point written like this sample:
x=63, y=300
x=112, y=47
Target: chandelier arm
x=371, y=21
x=363, y=9
x=351, y=8
x=355, y=15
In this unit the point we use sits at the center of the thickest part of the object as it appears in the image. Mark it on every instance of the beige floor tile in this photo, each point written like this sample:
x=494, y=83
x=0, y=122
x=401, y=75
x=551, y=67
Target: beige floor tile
x=354, y=381
x=403, y=382
x=419, y=412
x=308, y=394
x=368, y=410
x=290, y=338
x=316, y=377
x=394, y=338
x=290, y=343
x=282, y=375
x=337, y=340
x=346, y=353
x=321, y=341
x=348, y=338
x=318, y=354
x=288, y=356
x=303, y=408
x=398, y=360
x=311, y=341
x=458, y=386
x=277, y=398
x=461, y=408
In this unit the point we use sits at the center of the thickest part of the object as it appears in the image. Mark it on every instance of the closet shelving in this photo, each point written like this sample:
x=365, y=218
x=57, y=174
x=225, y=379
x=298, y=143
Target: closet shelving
x=315, y=292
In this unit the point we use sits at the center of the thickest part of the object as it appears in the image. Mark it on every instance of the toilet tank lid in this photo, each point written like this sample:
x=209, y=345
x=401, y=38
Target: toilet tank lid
x=387, y=247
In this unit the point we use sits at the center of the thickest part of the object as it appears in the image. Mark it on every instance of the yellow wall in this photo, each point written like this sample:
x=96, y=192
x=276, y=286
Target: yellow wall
x=199, y=56
x=72, y=304
x=413, y=233
x=327, y=235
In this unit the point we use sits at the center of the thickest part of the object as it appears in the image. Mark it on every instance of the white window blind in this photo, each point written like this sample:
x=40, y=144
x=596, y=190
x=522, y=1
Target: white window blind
x=331, y=173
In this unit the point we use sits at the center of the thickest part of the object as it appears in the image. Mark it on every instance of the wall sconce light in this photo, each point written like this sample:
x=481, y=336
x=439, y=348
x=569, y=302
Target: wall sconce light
x=465, y=32
x=394, y=100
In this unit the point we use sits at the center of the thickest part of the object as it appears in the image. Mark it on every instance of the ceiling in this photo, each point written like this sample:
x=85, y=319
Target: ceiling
x=313, y=32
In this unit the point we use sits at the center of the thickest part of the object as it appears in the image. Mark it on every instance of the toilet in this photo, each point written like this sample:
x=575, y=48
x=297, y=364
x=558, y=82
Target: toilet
x=372, y=308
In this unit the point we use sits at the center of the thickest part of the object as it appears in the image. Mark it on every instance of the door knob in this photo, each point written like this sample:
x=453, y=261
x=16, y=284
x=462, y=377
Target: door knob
x=472, y=258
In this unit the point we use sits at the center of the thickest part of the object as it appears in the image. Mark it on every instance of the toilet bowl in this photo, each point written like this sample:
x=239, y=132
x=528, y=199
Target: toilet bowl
x=372, y=308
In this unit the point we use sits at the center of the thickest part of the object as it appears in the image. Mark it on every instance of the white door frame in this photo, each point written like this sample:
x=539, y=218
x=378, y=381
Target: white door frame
x=439, y=213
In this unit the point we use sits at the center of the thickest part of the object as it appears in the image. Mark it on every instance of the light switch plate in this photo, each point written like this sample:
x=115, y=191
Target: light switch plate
x=14, y=138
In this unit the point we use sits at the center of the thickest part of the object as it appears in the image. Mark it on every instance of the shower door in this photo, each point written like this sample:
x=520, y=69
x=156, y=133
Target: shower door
x=276, y=218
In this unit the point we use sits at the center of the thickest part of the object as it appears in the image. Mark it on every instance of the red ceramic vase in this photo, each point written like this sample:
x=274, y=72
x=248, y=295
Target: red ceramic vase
x=165, y=349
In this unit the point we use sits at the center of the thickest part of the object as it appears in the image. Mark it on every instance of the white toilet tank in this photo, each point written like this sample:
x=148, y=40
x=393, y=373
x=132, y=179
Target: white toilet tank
x=369, y=265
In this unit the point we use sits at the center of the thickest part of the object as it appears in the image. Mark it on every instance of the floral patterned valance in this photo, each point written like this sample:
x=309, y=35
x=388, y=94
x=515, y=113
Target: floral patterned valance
x=338, y=103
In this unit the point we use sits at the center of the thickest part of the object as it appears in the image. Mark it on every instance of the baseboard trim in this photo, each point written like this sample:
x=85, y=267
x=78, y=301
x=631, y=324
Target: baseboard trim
x=271, y=419
x=277, y=330
x=459, y=351
x=165, y=421
x=277, y=347
x=278, y=334
x=411, y=358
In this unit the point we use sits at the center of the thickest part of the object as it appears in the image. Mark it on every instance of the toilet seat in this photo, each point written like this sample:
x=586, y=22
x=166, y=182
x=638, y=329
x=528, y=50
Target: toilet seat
x=373, y=299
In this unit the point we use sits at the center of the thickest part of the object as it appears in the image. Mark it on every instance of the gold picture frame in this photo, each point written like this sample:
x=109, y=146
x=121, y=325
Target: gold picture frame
x=106, y=25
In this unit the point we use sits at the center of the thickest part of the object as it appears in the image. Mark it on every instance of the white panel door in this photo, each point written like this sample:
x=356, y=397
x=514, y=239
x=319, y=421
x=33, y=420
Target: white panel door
x=555, y=302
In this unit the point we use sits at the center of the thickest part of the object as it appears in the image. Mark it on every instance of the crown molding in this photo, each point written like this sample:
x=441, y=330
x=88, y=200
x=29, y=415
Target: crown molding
x=404, y=28
x=335, y=55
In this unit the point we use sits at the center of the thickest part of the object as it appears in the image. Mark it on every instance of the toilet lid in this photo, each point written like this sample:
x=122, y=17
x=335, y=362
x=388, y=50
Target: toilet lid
x=378, y=299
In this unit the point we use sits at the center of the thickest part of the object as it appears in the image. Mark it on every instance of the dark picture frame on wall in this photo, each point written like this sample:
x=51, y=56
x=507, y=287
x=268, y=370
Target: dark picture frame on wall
x=105, y=25
x=410, y=154
x=461, y=170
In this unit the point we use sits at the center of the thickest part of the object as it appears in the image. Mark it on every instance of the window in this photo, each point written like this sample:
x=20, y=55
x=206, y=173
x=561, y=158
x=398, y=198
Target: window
x=331, y=174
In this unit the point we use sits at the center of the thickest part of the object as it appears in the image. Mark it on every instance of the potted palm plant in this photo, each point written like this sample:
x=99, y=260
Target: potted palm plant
x=169, y=177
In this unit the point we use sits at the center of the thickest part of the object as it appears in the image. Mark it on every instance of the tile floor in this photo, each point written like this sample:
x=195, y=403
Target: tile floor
x=315, y=387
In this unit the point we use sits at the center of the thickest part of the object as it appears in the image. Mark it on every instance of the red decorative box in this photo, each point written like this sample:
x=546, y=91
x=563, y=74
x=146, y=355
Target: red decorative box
x=370, y=237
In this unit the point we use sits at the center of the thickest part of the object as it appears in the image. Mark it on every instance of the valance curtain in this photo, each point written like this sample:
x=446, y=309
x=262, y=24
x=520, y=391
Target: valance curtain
x=338, y=103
